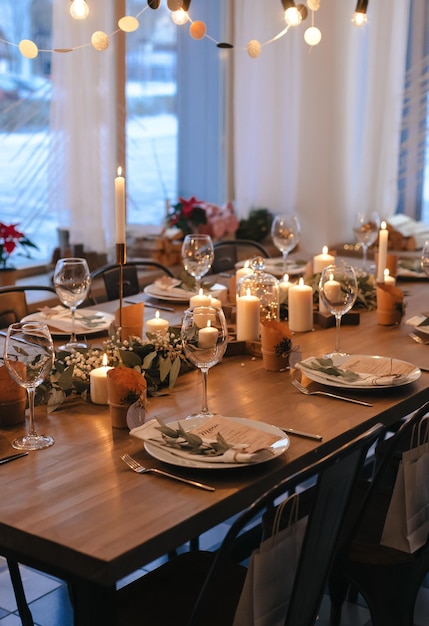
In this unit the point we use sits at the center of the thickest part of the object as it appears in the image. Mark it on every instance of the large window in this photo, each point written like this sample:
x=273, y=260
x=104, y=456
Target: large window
x=25, y=88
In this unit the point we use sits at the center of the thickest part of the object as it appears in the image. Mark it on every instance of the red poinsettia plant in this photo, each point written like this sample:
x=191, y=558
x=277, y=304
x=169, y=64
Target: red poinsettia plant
x=10, y=240
x=198, y=216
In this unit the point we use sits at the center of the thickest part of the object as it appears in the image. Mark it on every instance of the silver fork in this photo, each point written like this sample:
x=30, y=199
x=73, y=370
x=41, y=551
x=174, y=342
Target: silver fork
x=135, y=465
x=307, y=392
x=419, y=339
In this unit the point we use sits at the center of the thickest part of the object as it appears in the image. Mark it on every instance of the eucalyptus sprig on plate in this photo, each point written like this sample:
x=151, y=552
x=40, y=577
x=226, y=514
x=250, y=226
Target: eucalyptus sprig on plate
x=180, y=439
x=326, y=365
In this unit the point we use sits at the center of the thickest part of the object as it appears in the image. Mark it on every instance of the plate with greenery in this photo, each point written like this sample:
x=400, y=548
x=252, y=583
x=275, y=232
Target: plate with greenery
x=359, y=371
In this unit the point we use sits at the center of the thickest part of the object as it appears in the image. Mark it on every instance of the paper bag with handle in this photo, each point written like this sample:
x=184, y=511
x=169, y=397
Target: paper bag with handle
x=406, y=527
x=266, y=591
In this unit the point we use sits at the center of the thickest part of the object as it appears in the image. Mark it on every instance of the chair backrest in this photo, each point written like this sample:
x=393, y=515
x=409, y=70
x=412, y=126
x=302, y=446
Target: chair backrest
x=13, y=302
x=228, y=253
x=130, y=278
x=336, y=476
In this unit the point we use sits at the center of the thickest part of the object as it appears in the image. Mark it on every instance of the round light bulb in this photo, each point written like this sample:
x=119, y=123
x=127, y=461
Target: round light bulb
x=28, y=48
x=312, y=36
x=179, y=17
x=254, y=48
x=293, y=17
x=197, y=29
x=359, y=19
x=99, y=40
x=128, y=24
x=79, y=9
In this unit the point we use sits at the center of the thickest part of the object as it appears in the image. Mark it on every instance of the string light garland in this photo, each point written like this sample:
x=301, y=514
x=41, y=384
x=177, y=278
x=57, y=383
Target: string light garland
x=294, y=15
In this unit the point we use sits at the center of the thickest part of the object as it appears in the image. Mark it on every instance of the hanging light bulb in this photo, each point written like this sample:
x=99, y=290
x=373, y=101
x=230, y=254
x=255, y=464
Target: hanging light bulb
x=359, y=16
x=293, y=16
x=179, y=17
x=79, y=9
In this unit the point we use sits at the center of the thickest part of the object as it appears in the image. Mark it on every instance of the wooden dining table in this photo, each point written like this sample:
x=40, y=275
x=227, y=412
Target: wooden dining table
x=76, y=511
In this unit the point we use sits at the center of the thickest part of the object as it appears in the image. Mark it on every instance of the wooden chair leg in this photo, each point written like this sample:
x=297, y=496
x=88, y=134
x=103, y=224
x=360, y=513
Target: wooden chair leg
x=18, y=588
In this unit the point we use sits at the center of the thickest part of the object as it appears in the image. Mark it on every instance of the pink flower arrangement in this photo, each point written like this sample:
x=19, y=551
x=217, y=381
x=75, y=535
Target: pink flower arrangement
x=197, y=216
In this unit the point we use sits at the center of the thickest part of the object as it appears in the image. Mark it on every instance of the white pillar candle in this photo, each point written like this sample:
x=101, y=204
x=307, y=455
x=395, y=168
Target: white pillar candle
x=157, y=325
x=248, y=317
x=284, y=288
x=300, y=307
x=320, y=261
x=389, y=280
x=200, y=299
x=215, y=302
x=120, y=207
x=207, y=336
x=243, y=271
x=383, y=237
x=98, y=383
x=332, y=291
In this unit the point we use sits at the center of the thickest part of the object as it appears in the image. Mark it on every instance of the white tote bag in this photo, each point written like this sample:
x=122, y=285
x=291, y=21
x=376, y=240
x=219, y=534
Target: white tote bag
x=266, y=591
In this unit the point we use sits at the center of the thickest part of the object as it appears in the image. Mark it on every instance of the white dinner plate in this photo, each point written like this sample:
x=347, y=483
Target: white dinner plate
x=178, y=295
x=369, y=381
x=410, y=269
x=61, y=326
x=163, y=453
x=276, y=267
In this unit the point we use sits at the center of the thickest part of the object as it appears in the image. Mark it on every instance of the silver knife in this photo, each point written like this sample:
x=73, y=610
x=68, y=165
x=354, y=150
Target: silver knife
x=12, y=457
x=300, y=433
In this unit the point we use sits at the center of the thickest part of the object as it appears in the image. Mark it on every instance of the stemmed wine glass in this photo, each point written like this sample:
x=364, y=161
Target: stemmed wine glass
x=204, y=338
x=29, y=357
x=365, y=227
x=424, y=259
x=285, y=232
x=72, y=281
x=197, y=256
x=338, y=290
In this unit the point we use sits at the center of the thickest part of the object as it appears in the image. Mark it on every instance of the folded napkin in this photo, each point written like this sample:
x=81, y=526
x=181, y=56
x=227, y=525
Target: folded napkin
x=359, y=370
x=59, y=318
x=419, y=321
x=242, y=450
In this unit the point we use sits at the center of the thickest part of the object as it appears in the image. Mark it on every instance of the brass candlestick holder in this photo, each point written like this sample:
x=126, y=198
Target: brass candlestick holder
x=121, y=259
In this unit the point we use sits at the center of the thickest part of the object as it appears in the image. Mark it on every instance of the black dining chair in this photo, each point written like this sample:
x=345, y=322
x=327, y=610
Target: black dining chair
x=228, y=252
x=14, y=304
x=202, y=588
x=110, y=274
x=388, y=579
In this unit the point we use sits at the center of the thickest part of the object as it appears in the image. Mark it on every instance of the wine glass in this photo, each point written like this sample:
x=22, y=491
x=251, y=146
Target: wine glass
x=285, y=232
x=204, y=338
x=29, y=357
x=72, y=281
x=197, y=256
x=365, y=227
x=338, y=290
x=424, y=259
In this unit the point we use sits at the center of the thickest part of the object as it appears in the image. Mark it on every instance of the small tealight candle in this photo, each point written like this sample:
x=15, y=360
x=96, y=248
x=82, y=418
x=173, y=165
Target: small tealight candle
x=389, y=280
x=300, y=307
x=383, y=239
x=157, y=325
x=284, y=288
x=207, y=336
x=98, y=383
x=200, y=299
x=248, y=317
x=320, y=261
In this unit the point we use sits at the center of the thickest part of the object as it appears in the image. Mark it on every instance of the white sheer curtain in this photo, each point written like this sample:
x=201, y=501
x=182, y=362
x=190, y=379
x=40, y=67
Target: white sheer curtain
x=317, y=130
x=83, y=134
